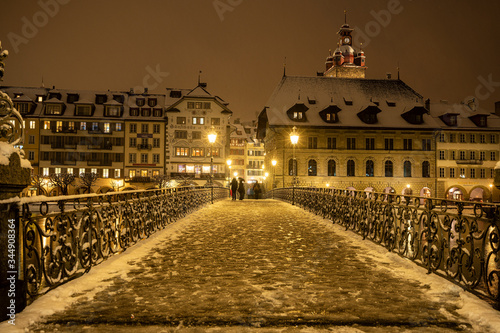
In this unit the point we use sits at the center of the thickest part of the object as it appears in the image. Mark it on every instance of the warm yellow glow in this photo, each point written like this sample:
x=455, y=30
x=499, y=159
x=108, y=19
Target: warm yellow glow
x=273, y=162
x=294, y=137
x=228, y=162
x=266, y=174
x=263, y=166
x=212, y=136
x=407, y=185
x=235, y=174
x=491, y=185
x=327, y=185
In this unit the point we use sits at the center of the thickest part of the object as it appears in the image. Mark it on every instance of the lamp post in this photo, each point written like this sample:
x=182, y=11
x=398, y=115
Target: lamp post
x=294, y=138
x=212, y=136
x=229, y=175
x=273, y=162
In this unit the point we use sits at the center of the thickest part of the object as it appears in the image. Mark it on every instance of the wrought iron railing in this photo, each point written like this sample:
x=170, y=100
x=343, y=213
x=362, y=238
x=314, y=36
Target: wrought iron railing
x=64, y=237
x=454, y=239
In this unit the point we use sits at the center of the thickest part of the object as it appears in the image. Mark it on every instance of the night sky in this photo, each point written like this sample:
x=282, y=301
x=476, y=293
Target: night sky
x=445, y=49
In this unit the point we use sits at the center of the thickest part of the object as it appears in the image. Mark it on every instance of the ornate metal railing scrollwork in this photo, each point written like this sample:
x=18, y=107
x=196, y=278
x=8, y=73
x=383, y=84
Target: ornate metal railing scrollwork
x=64, y=237
x=458, y=240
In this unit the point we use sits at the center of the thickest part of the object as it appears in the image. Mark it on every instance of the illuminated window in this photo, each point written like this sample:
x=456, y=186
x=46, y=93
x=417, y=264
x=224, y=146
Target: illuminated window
x=70, y=171
x=198, y=120
x=53, y=109
x=117, y=173
x=197, y=152
x=59, y=126
x=81, y=171
x=131, y=173
x=118, y=127
x=32, y=124
x=46, y=124
x=107, y=128
x=45, y=172
x=83, y=126
x=181, y=151
x=57, y=171
x=105, y=173
x=144, y=173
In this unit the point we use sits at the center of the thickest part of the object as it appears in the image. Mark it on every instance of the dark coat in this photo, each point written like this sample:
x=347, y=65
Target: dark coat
x=241, y=188
x=234, y=185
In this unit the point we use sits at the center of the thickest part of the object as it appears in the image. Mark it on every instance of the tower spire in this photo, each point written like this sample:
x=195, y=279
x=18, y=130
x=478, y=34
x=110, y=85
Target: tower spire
x=284, y=67
x=345, y=16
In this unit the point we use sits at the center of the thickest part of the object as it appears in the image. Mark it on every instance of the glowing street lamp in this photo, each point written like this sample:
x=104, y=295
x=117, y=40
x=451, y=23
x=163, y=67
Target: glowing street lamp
x=273, y=162
x=212, y=136
x=294, y=138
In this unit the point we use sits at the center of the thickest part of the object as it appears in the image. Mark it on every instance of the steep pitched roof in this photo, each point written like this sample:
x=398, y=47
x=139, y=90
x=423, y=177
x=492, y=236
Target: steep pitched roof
x=352, y=96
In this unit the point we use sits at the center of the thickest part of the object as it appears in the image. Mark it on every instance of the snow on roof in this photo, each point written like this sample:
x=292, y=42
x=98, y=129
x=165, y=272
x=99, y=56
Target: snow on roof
x=351, y=96
x=463, y=112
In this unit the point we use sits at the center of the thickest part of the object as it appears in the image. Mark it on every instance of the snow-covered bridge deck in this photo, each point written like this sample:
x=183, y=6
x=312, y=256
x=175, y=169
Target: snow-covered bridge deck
x=257, y=265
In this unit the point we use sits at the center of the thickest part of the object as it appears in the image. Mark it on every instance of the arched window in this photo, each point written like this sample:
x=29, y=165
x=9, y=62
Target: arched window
x=312, y=168
x=388, y=169
x=350, y=168
x=407, y=169
x=369, y=168
x=426, y=169
x=332, y=168
x=292, y=167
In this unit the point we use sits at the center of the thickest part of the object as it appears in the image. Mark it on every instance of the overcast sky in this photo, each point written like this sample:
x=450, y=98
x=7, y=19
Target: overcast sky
x=446, y=49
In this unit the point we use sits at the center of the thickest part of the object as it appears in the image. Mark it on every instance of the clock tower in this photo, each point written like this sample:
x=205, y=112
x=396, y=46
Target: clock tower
x=346, y=61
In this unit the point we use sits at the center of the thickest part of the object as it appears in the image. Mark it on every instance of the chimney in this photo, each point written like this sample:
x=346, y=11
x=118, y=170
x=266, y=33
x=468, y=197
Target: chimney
x=388, y=76
x=428, y=104
x=497, y=108
x=145, y=90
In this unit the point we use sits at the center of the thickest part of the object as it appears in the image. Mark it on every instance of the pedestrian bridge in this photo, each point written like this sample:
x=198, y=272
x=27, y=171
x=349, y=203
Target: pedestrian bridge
x=260, y=262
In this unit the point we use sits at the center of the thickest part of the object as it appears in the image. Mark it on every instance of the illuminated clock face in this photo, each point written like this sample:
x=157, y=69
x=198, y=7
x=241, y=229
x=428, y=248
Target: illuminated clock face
x=347, y=40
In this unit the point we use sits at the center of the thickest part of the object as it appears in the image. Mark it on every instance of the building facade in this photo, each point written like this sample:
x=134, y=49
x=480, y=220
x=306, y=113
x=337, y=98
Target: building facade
x=374, y=135
x=467, y=151
x=192, y=116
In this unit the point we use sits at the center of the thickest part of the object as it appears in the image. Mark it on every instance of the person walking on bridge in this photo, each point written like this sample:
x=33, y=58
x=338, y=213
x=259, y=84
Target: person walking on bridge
x=234, y=188
x=241, y=189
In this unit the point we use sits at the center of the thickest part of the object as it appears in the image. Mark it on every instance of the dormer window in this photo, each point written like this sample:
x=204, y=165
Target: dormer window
x=53, y=109
x=369, y=114
x=311, y=100
x=348, y=101
x=40, y=98
x=175, y=94
x=415, y=115
x=83, y=110
x=480, y=120
x=140, y=101
x=449, y=119
x=157, y=113
x=298, y=112
x=72, y=98
x=391, y=103
x=119, y=98
x=152, y=102
x=101, y=99
x=134, y=112
x=22, y=107
x=113, y=111
x=330, y=114
x=56, y=95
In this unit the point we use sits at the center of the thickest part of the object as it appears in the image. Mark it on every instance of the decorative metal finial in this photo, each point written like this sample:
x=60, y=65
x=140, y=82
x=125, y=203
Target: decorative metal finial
x=11, y=122
x=3, y=54
x=345, y=16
